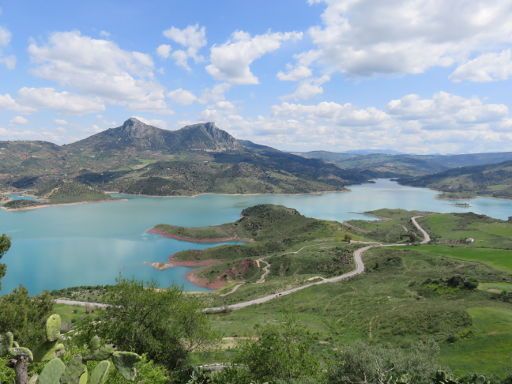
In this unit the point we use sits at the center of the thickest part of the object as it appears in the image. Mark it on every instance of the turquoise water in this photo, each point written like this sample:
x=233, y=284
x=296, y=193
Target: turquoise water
x=17, y=196
x=91, y=244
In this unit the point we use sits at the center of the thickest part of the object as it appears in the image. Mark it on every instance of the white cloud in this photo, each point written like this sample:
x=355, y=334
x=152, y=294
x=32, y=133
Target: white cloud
x=368, y=37
x=294, y=73
x=154, y=122
x=445, y=111
x=61, y=122
x=61, y=101
x=443, y=123
x=231, y=61
x=5, y=36
x=19, y=120
x=9, y=61
x=339, y=114
x=164, y=51
x=99, y=68
x=8, y=102
x=486, y=67
x=215, y=93
x=183, y=96
x=308, y=88
x=192, y=38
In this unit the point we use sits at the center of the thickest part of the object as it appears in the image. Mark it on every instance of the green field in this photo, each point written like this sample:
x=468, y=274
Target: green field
x=497, y=258
x=489, y=345
x=455, y=228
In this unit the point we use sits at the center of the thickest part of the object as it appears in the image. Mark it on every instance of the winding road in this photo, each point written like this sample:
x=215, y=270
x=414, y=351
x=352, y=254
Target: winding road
x=359, y=269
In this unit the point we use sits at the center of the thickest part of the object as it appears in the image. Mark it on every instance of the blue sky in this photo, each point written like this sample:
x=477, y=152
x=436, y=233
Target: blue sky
x=416, y=76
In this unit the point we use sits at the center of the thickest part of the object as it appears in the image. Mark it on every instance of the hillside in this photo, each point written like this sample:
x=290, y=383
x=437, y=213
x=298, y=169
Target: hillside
x=400, y=165
x=490, y=180
x=142, y=159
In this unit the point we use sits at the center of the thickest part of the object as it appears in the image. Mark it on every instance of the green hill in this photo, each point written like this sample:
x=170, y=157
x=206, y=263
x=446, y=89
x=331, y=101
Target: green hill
x=490, y=180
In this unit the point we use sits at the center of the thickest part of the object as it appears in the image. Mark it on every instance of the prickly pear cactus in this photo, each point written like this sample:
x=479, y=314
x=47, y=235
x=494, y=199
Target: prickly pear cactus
x=100, y=373
x=53, y=325
x=55, y=371
x=52, y=347
x=75, y=372
x=52, y=372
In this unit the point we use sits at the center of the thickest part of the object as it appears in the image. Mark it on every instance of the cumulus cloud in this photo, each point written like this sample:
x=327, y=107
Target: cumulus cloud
x=368, y=37
x=443, y=123
x=61, y=122
x=99, y=68
x=164, y=51
x=154, y=122
x=61, y=101
x=294, y=73
x=9, y=61
x=308, y=88
x=192, y=38
x=19, y=120
x=231, y=61
x=5, y=36
x=183, y=96
x=486, y=67
x=9, y=103
x=445, y=111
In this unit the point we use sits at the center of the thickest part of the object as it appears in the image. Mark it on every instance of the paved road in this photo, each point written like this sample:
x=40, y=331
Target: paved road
x=359, y=269
x=358, y=259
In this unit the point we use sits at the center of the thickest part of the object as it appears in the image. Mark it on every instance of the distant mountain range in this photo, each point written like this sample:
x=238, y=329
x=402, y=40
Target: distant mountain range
x=142, y=159
x=490, y=180
x=402, y=165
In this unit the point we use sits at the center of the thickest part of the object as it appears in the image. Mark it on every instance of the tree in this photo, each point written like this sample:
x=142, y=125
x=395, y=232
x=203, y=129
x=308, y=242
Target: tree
x=25, y=316
x=282, y=354
x=5, y=244
x=164, y=324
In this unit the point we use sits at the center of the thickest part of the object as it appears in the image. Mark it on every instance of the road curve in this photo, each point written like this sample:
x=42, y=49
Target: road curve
x=359, y=269
x=426, y=236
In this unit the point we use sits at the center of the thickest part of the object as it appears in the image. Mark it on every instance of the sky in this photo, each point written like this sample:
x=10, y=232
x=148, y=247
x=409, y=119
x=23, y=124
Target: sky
x=416, y=76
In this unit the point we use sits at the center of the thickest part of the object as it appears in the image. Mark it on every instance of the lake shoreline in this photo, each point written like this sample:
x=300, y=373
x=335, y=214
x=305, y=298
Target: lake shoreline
x=211, y=240
x=60, y=205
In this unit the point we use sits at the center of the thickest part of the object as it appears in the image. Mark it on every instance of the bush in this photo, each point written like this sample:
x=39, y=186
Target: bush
x=363, y=363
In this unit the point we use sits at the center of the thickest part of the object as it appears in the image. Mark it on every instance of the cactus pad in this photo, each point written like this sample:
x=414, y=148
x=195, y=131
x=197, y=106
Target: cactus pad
x=52, y=372
x=20, y=351
x=74, y=371
x=53, y=324
x=48, y=350
x=100, y=373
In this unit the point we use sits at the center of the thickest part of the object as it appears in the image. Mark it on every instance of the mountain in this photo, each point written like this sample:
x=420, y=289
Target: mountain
x=491, y=180
x=402, y=165
x=142, y=159
x=135, y=135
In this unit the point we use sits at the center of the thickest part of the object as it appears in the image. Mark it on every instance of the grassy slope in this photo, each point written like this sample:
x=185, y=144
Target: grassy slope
x=297, y=247
x=72, y=192
x=389, y=304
